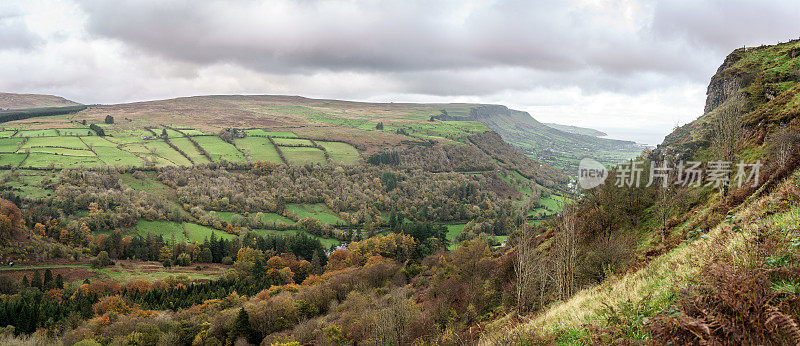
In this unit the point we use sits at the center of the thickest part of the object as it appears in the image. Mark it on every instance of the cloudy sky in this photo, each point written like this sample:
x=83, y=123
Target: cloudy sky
x=632, y=68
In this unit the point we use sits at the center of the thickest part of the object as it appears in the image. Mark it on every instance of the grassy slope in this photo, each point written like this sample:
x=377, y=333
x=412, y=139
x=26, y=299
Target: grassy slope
x=654, y=287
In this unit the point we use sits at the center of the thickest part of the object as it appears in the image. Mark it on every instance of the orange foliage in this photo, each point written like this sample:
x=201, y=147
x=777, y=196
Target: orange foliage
x=340, y=259
x=138, y=285
x=111, y=304
x=55, y=294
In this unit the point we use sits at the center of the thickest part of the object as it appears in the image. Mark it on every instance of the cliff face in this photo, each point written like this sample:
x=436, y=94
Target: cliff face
x=764, y=85
x=726, y=81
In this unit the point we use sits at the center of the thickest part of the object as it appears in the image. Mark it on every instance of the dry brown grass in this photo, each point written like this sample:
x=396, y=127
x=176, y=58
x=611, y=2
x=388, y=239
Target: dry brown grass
x=22, y=101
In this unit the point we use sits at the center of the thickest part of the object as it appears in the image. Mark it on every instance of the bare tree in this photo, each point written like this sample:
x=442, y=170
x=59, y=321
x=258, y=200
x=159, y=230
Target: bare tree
x=783, y=145
x=524, y=269
x=565, y=252
x=727, y=131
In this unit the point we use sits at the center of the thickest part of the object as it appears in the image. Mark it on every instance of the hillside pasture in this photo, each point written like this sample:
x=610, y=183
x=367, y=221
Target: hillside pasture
x=55, y=142
x=97, y=141
x=76, y=132
x=293, y=142
x=341, y=153
x=264, y=133
x=319, y=211
x=60, y=151
x=12, y=160
x=303, y=155
x=163, y=150
x=117, y=157
x=44, y=160
x=37, y=133
x=189, y=149
x=219, y=149
x=258, y=149
x=10, y=145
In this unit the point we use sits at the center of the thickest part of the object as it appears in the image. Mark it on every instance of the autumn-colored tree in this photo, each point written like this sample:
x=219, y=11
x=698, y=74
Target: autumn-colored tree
x=65, y=237
x=40, y=229
x=111, y=304
x=165, y=255
x=396, y=246
x=10, y=220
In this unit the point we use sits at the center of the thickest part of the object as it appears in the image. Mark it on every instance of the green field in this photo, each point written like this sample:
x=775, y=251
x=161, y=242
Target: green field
x=163, y=150
x=258, y=149
x=318, y=211
x=30, y=183
x=116, y=157
x=43, y=160
x=293, y=142
x=341, y=153
x=6, y=133
x=10, y=145
x=219, y=149
x=189, y=149
x=11, y=159
x=60, y=151
x=192, y=132
x=303, y=155
x=183, y=232
x=37, y=133
x=262, y=133
x=170, y=133
x=59, y=142
x=146, y=184
x=452, y=232
x=76, y=132
x=96, y=141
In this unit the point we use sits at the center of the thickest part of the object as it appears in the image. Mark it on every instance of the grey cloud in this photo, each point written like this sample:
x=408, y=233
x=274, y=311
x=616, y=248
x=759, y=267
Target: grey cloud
x=14, y=33
x=724, y=25
x=391, y=37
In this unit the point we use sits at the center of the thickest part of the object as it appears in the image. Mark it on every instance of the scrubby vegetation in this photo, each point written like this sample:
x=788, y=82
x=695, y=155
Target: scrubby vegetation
x=442, y=233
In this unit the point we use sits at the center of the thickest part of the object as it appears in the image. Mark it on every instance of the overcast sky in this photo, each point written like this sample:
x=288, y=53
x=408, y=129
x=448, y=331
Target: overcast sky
x=632, y=68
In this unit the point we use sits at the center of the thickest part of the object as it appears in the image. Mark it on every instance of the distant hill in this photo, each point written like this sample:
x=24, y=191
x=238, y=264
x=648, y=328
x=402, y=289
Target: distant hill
x=369, y=127
x=560, y=149
x=577, y=130
x=25, y=101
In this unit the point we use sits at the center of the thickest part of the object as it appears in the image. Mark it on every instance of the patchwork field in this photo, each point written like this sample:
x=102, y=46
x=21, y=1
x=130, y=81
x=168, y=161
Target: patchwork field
x=142, y=146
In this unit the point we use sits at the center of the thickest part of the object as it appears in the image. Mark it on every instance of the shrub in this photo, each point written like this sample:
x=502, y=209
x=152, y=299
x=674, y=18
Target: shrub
x=102, y=260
